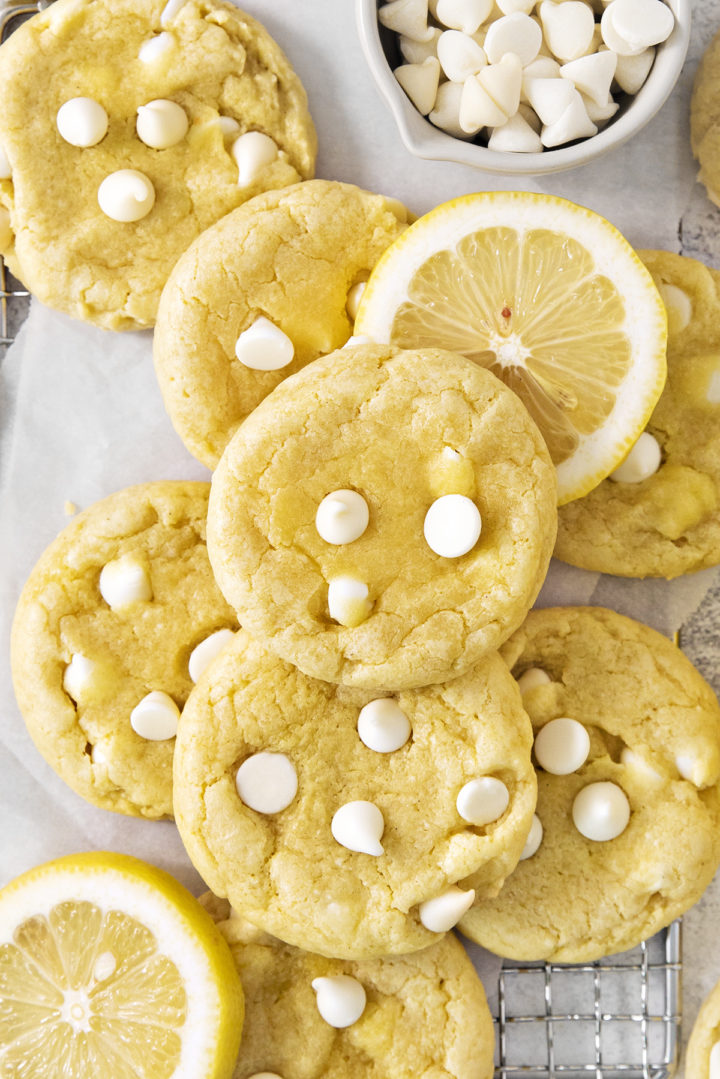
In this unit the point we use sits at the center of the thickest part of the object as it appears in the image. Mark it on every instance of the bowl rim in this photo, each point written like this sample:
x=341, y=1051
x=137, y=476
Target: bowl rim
x=426, y=141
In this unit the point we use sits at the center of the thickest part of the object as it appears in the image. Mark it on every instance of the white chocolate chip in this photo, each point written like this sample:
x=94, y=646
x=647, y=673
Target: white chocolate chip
x=126, y=195
x=354, y=297
x=460, y=55
x=155, y=47
x=549, y=97
x=678, y=306
x=542, y=67
x=124, y=581
x=573, y=124
x=265, y=1075
x=515, y=135
x=104, y=966
x=483, y=800
x=342, y=517
x=531, y=679
x=252, y=153
x=635, y=763
x=264, y=346
x=600, y=114
x=383, y=726
x=517, y=34
x=420, y=82
x=465, y=15
x=267, y=782
x=446, y=114
x=642, y=23
x=601, y=811
x=503, y=82
x=592, y=75
x=161, y=123
x=509, y=7
x=690, y=768
x=156, y=717
x=562, y=746
x=204, y=653
x=414, y=52
x=612, y=38
x=77, y=676
x=82, y=121
x=228, y=126
x=5, y=170
x=348, y=601
x=534, y=839
x=170, y=11
x=631, y=71
x=407, y=17
x=445, y=911
x=340, y=999
x=715, y=1061
x=477, y=108
x=642, y=461
x=452, y=526
x=568, y=28
x=358, y=339
x=359, y=826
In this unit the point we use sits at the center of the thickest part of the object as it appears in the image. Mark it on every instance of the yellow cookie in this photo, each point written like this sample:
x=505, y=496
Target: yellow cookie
x=666, y=521
x=705, y=118
x=104, y=642
x=348, y=824
x=703, y=1050
x=134, y=145
x=437, y=520
x=295, y=258
x=423, y=1016
x=627, y=748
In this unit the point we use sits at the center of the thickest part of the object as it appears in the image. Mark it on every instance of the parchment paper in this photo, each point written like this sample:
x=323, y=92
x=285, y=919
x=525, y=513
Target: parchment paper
x=81, y=415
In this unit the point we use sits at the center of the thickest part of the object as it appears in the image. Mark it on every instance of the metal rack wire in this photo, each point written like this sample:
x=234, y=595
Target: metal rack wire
x=618, y=1018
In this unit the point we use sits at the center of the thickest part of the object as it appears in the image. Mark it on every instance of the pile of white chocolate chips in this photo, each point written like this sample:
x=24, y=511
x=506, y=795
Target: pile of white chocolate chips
x=531, y=74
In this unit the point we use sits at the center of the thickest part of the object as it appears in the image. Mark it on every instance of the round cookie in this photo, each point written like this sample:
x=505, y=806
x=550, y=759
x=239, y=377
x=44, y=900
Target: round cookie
x=703, y=1048
x=402, y=429
x=292, y=858
x=654, y=745
x=668, y=523
x=290, y=256
x=204, y=56
x=164, y=603
x=705, y=118
x=425, y=1015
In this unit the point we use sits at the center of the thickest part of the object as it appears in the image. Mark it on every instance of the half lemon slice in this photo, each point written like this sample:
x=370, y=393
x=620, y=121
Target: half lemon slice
x=110, y=968
x=552, y=299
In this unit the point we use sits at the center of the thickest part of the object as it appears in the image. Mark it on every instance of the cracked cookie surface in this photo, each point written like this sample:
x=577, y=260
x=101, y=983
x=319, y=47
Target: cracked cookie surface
x=652, y=721
x=290, y=256
x=669, y=523
x=219, y=61
x=141, y=648
x=284, y=870
x=401, y=428
x=426, y=1015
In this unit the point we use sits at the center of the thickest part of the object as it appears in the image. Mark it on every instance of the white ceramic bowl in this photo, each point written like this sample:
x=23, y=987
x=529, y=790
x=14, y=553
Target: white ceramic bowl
x=425, y=140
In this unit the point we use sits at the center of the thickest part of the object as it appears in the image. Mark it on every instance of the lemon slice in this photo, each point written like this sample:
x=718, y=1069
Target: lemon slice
x=109, y=969
x=547, y=295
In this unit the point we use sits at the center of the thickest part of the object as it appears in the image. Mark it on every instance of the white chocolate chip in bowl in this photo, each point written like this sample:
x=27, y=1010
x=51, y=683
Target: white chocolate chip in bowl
x=126, y=195
x=601, y=811
x=263, y=346
x=161, y=123
x=155, y=717
x=125, y=581
x=267, y=782
x=460, y=55
x=465, y=15
x=342, y=517
x=483, y=800
x=82, y=122
x=253, y=152
x=562, y=746
x=383, y=726
x=206, y=651
x=420, y=83
x=341, y=999
x=515, y=34
x=359, y=826
x=444, y=911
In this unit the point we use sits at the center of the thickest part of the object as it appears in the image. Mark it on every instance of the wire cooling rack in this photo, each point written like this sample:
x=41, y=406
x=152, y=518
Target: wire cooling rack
x=618, y=1018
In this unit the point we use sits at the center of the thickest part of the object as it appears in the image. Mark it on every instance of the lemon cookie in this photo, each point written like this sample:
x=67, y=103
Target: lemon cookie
x=384, y=517
x=272, y=286
x=155, y=120
x=627, y=748
x=346, y=823
x=114, y=625
x=420, y=1016
x=703, y=1049
x=658, y=515
x=705, y=118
